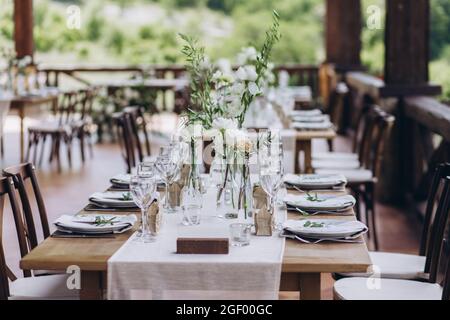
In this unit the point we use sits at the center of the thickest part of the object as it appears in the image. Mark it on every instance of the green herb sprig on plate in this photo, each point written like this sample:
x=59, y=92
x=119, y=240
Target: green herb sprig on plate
x=309, y=224
x=100, y=221
x=314, y=198
x=127, y=196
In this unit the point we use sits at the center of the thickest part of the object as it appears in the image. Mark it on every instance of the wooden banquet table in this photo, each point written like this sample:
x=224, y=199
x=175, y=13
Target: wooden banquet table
x=21, y=103
x=304, y=143
x=301, y=268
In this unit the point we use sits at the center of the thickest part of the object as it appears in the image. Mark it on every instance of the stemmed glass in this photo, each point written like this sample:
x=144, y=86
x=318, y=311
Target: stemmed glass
x=271, y=170
x=142, y=187
x=167, y=164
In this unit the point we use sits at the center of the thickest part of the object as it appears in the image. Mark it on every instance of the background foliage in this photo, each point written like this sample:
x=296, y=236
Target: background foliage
x=145, y=31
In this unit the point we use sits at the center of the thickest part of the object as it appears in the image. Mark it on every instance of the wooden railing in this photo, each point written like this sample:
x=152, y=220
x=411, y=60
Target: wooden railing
x=420, y=141
x=300, y=74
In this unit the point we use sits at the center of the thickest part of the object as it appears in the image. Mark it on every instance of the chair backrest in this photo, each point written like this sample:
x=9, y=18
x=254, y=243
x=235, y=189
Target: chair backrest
x=7, y=188
x=85, y=101
x=125, y=138
x=371, y=134
x=360, y=128
x=67, y=103
x=336, y=102
x=139, y=128
x=440, y=257
x=384, y=130
x=434, y=196
x=20, y=174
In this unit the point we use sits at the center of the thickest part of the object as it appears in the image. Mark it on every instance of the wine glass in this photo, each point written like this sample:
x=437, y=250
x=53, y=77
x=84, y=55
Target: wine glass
x=168, y=166
x=142, y=189
x=271, y=171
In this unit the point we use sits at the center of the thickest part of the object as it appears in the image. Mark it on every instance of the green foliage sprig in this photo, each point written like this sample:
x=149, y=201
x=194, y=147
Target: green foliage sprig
x=201, y=83
x=273, y=35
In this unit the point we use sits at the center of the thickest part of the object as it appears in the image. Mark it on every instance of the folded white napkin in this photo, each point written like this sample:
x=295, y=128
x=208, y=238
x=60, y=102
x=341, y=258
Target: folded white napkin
x=312, y=125
x=112, y=198
x=315, y=180
x=305, y=113
x=121, y=179
x=324, y=227
x=86, y=223
x=315, y=119
x=326, y=202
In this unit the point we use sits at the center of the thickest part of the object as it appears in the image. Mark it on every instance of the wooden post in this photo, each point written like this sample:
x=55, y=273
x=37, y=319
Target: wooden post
x=406, y=36
x=406, y=74
x=23, y=27
x=343, y=33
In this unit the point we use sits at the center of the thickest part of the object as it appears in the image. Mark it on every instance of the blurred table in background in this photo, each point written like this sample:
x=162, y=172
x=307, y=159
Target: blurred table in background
x=21, y=103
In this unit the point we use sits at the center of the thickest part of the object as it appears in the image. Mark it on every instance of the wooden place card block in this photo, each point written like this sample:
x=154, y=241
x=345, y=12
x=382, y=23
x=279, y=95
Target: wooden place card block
x=202, y=245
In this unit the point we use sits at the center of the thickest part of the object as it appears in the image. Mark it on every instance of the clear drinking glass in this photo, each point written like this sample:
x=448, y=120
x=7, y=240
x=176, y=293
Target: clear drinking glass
x=240, y=234
x=142, y=188
x=167, y=165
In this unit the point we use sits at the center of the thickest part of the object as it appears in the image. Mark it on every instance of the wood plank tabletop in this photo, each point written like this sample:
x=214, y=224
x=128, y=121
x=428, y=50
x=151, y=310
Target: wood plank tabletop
x=92, y=254
x=303, y=135
x=30, y=100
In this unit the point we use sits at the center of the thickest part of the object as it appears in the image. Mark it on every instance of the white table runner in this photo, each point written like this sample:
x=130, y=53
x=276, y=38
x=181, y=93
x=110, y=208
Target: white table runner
x=155, y=271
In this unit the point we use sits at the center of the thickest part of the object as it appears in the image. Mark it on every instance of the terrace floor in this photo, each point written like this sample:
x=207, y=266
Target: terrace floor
x=67, y=192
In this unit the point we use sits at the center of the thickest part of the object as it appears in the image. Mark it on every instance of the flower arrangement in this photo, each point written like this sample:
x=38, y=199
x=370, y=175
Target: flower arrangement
x=217, y=91
x=220, y=100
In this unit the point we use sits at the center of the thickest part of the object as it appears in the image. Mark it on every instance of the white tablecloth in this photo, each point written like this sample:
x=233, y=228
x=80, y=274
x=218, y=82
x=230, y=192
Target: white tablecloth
x=155, y=271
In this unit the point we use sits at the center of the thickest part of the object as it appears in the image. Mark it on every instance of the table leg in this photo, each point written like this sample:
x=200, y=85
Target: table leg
x=298, y=148
x=22, y=134
x=309, y=286
x=308, y=156
x=91, y=285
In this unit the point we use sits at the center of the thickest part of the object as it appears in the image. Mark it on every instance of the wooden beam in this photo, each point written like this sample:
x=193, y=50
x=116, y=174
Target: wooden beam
x=406, y=39
x=23, y=28
x=343, y=33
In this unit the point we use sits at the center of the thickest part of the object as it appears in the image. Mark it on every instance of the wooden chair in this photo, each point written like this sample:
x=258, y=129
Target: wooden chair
x=438, y=285
x=125, y=138
x=131, y=126
x=20, y=174
x=410, y=266
x=358, y=141
x=335, y=107
x=139, y=130
x=362, y=180
x=58, y=130
x=82, y=125
x=12, y=287
x=72, y=121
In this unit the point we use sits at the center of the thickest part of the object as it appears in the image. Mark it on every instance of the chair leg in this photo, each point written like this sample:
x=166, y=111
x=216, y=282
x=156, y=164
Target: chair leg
x=81, y=138
x=330, y=145
x=2, y=145
x=30, y=145
x=52, y=148
x=57, y=149
x=41, y=157
x=371, y=208
x=36, y=148
x=69, y=150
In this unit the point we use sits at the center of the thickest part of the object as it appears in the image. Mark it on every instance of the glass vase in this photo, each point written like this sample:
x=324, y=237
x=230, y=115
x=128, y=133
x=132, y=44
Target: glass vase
x=227, y=195
x=191, y=195
x=245, y=190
